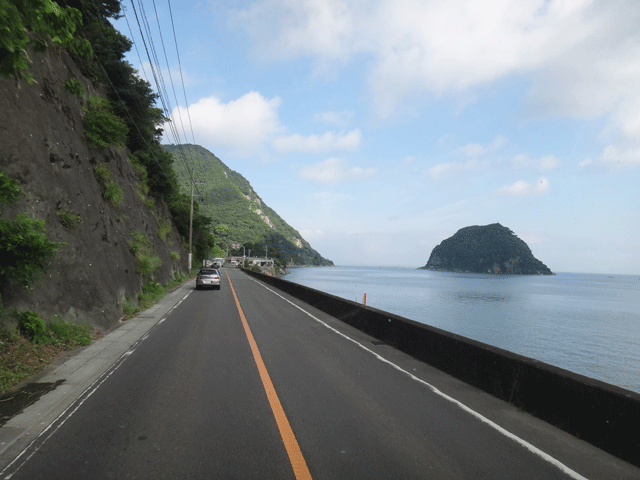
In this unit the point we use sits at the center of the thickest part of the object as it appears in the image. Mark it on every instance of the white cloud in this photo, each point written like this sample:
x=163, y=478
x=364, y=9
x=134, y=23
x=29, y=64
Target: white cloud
x=615, y=157
x=341, y=119
x=328, y=141
x=334, y=170
x=523, y=188
x=437, y=171
x=244, y=125
x=581, y=57
x=473, y=150
x=473, y=153
x=449, y=168
x=546, y=163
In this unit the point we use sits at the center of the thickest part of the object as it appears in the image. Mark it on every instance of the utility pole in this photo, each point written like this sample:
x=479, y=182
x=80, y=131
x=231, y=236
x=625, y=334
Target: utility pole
x=193, y=184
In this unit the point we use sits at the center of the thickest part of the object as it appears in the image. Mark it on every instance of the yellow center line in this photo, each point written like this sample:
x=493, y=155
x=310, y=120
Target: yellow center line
x=298, y=463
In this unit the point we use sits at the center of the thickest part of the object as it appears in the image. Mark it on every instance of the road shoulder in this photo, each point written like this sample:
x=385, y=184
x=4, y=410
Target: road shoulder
x=78, y=371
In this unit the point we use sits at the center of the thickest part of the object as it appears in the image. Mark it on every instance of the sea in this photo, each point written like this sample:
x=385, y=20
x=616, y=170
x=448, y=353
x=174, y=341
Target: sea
x=585, y=323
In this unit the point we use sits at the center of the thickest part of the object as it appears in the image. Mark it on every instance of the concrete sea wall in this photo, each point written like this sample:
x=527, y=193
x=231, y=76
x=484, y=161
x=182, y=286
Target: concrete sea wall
x=601, y=414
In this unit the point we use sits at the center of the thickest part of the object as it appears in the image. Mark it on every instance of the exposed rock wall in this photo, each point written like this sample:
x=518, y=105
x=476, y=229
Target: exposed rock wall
x=42, y=146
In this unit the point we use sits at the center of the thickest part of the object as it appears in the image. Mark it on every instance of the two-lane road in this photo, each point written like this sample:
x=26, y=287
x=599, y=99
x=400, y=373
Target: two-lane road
x=246, y=382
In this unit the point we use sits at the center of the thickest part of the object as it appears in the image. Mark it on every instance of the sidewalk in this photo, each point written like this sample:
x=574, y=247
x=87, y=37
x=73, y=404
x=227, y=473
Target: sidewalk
x=79, y=371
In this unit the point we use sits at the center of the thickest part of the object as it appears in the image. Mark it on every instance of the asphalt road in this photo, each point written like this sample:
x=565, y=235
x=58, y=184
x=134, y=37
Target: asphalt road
x=247, y=382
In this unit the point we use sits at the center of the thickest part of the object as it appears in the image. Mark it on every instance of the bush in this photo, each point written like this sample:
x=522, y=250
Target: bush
x=102, y=127
x=175, y=255
x=9, y=188
x=74, y=86
x=31, y=326
x=25, y=251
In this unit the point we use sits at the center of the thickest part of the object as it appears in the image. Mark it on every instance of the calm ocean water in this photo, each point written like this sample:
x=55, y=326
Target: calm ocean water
x=586, y=323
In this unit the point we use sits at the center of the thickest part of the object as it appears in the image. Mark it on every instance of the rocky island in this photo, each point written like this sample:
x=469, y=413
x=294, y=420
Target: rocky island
x=490, y=249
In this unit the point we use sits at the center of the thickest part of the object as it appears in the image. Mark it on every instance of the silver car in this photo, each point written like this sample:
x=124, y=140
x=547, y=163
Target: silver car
x=208, y=277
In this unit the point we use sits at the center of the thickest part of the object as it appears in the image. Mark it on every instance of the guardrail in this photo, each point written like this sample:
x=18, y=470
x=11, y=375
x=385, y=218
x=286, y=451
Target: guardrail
x=596, y=412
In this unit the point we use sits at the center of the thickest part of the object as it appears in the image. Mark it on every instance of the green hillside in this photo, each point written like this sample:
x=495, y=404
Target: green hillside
x=486, y=249
x=239, y=215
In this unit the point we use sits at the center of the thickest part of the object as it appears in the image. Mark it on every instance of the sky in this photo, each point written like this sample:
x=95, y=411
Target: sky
x=378, y=128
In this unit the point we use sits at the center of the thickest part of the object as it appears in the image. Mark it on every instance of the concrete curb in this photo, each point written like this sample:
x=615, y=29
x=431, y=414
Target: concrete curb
x=79, y=371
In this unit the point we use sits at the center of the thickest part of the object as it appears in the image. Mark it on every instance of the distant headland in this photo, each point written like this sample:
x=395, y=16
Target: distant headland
x=490, y=249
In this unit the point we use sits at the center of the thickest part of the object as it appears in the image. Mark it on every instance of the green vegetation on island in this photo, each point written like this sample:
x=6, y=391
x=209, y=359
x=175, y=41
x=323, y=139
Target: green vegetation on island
x=490, y=249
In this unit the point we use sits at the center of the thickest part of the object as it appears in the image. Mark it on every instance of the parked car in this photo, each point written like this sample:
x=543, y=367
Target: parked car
x=208, y=277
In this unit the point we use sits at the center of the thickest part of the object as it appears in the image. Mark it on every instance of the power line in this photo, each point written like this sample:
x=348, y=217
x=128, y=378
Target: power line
x=180, y=68
x=160, y=85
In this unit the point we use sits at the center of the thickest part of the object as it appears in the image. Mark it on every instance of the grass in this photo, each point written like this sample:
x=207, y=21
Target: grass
x=164, y=230
x=141, y=191
x=147, y=263
x=113, y=193
x=69, y=220
x=151, y=293
x=102, y=173
x=22, y=355
x=141, y=248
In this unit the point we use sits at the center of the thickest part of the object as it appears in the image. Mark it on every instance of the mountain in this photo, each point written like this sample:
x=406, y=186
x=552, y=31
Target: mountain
x=485, y=249
x=239, y=215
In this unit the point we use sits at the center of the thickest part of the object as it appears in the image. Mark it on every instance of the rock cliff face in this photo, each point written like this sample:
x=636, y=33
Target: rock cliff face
x=42, y=146
x=490, y=249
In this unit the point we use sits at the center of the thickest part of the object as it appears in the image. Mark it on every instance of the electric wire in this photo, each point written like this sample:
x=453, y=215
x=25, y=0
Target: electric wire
x=197, y=159
x=159, y=82
x=180, y=68
x=161, y=86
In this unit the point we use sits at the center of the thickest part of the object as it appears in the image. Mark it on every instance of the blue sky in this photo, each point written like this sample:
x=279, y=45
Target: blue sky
x=378, y=128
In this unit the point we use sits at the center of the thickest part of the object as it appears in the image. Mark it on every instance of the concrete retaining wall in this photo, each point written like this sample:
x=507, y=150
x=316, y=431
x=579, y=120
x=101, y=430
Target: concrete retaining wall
x=601, y=414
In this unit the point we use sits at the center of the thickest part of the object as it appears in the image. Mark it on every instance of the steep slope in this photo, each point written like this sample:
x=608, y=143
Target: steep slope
x=43, y=147
x=485, y=249
x=229, y=199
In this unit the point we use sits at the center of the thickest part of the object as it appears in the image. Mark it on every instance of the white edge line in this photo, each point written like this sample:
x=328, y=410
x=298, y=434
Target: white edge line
x=535, y=450
x=90, y=390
